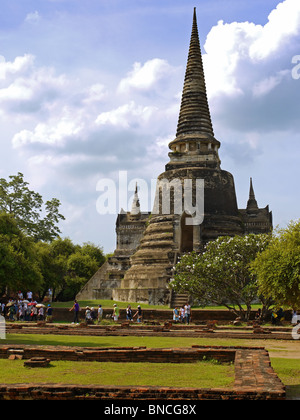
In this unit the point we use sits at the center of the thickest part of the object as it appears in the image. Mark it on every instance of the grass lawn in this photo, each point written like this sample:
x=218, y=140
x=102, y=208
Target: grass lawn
x=288, y=371
x=108, y=304
x=202, y=374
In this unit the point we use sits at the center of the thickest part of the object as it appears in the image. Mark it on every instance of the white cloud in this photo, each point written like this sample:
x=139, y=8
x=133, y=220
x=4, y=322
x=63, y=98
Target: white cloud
x=26, y=88
x=283, y=23
x=13, y=68
x=33, y=17
x=265, y=86
x=145, y=77
x=236, y=51
x=95, y=93
x=55, y=132
x=226, y=45
x=126, y=116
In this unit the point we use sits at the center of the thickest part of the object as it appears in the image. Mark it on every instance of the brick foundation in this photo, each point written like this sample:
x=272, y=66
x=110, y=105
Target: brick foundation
x=254, y=376
x=175, y=330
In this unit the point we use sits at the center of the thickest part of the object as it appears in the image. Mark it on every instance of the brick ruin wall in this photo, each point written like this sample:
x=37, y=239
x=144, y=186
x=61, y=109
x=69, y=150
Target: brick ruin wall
x=254, y=376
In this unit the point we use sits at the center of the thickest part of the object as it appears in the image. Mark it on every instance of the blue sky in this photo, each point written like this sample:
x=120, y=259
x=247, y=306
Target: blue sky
x=88, y=89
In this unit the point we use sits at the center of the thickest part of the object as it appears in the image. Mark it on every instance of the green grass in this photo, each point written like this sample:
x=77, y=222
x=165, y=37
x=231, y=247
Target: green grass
x=108, y=304
x=202, y=374
x=288, y=371
x=113, y=341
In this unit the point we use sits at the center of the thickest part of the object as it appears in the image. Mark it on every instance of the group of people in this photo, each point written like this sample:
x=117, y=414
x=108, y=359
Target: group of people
x=138, y=314
x=25, y=310
x=93, y=315
x=183, y=314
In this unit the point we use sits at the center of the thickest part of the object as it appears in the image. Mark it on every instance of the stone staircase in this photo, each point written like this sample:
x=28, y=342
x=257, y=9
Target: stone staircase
x=179, y=299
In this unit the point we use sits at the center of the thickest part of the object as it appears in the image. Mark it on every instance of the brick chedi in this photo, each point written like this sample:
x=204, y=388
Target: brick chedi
x=195, y=199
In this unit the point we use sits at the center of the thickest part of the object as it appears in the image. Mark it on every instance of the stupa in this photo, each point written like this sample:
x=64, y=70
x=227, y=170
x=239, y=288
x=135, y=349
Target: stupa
x=195, y=199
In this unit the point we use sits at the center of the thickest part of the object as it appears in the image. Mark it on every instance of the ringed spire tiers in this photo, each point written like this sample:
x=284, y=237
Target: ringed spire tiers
x=195, y=135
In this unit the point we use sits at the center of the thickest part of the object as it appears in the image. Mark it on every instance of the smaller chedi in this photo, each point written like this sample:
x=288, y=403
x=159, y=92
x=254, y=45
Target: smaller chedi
x=195, y=202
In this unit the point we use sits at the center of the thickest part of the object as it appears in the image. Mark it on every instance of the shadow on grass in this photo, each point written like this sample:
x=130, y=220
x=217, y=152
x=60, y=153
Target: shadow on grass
x=293, y=392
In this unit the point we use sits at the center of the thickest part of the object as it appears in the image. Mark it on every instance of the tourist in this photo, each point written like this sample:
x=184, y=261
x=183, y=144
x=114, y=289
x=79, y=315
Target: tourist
x=76, y=309
x=88, y=317
x=274, y=317
x=33, y=313
x=93, y=315
x=116, y=313
x=11, y=312
x=175, y=315
x=182, y=314
x=21, y=313
x=129, y=313
x=280, y=315
x=41, y=313
x=187, y=310
x=27, y=313
x=29, y=296
x=3, y=308
x=138, y=314
x=49, y=313
x=258, y=315
x=100, y=314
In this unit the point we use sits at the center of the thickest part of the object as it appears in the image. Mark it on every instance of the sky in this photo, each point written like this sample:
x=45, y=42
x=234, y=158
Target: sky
x=90, y=91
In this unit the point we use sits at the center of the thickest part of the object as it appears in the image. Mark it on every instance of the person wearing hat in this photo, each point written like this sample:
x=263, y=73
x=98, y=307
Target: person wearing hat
x=87, y=314
x=49, y=312
x=116, y=312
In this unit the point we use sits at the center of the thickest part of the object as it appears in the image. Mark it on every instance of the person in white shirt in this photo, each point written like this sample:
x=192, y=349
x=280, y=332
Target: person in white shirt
x=187, y=309
x=100, y=314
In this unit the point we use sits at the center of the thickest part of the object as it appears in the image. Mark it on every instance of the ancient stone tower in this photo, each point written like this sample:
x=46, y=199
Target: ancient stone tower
x=195, y=199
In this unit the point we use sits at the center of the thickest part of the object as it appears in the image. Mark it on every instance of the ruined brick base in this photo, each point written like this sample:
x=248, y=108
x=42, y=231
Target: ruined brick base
x=254, y=376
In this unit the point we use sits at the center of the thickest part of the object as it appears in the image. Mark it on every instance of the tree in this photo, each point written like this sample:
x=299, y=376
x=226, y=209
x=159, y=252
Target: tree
x=19, y=268
x=278, y=267
x=221, y=274
x=27, y=208
x=67, y=267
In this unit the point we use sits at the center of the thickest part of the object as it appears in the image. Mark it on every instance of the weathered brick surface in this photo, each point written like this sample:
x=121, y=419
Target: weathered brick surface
x=149, y=330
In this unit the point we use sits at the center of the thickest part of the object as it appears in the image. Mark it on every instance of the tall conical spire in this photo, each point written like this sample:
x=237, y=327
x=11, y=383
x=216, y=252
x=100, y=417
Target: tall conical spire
x=195, y=136
x=194, y=114
x=135, y=209
x=252, y=203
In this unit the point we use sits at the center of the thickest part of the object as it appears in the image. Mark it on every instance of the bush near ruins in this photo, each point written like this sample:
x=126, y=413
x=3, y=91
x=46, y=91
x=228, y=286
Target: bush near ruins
x=221, y=274
x=278, y=267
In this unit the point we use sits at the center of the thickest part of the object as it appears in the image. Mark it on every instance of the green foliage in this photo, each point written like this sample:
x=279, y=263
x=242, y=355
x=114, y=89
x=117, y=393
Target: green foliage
x=27, y=208
x=19, y=267
x=39, y=266
x=220, y=275
x=67, y=267
x=278, y=267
